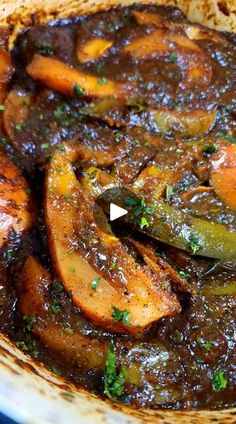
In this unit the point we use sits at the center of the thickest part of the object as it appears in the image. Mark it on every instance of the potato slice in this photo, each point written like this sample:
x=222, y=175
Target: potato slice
x=16, y=212
x=60, y=77
x=192, y=123
x=223, y=175
x=16, y=112
x=33, y=300
x=93, y=49
x=82, y=253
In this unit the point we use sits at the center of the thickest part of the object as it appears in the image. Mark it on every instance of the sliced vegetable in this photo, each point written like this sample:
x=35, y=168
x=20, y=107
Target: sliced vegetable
x=223, y=174
x=178, y=229
x=195, y=32
x=16, y=209
x=93, y=49
x=58, y=76
x=189, y=56
x=15, y=113
x=77, y=242
x=193, y=123
x=145, y=18
x=33, y=299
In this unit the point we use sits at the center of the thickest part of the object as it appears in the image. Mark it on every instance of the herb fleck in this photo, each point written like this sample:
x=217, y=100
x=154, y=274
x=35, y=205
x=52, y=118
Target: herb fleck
x=78, y=90
x=29, y=321
x=169, y=192
x=210, y=148
x=102, y=81
x=95, y=282
x=172, y=57
x=123, y=316
x=113, y=380
x=143, y=223
x=219, y=382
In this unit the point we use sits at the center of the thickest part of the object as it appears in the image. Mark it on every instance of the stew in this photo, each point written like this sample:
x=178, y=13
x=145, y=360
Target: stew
x=136, y=107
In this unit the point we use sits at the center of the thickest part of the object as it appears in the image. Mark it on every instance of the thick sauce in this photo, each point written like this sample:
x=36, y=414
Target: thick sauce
x=142, y=99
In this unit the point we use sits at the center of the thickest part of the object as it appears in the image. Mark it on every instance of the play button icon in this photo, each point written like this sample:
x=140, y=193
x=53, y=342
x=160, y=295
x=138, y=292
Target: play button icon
x=116, y=212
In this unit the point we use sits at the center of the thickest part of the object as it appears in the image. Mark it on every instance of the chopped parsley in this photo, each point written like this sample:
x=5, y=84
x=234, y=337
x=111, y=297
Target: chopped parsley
x=28, y=191
x=113, y=266
x=219, y=382
x=205, y=344
x=113, y=380
x=210, y=148
x=102, y=81
x=95, y=282
x=56, y=370
x=61, y=148
x=57, y=286
x=228, y=137
x=72, y=269
x=169, y=192
x=131, y=201
x=55, y=306
x=29, y=346
x=45, y=146
x=18, y=126
x=78, y=90
x=8, y=255
x=29, y=321
x=45, y=48
x=143, y=223
x=195, y=243
x=2, y=108
x=123, y=316
x=172, y=57
x=185, y=275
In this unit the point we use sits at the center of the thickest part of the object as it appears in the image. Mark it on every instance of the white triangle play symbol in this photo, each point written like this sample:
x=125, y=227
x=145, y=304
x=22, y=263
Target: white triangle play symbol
x=116, y=212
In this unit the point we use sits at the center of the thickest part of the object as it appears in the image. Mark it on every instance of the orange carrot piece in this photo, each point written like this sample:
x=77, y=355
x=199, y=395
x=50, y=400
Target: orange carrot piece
x=60, y=77
x=223, y=175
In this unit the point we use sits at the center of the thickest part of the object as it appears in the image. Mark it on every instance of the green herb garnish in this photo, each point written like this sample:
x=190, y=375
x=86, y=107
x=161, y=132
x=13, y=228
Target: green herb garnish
x=172, y=57
x=205, y=344
x=143, y=223
x=123, y=316
x=29, y=321
x=2, y=108
x=185, y=275
x=55, y=370
x=55, y=306
x=45, y=48
x=113, y=380
x=195, y=243
x=210, y=148
x=102, y=81
x=219, y=381
x=57, y=286
x=95, y=282
x=78, y=90
x=169, y=192
x=228, y=137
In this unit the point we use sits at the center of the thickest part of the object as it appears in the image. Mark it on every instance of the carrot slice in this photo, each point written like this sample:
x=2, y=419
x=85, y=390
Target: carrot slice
x=223, y=175
x=83, y=253
x=93, y=49
x=16, y=212
x=189, y=56
x=58, y=76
